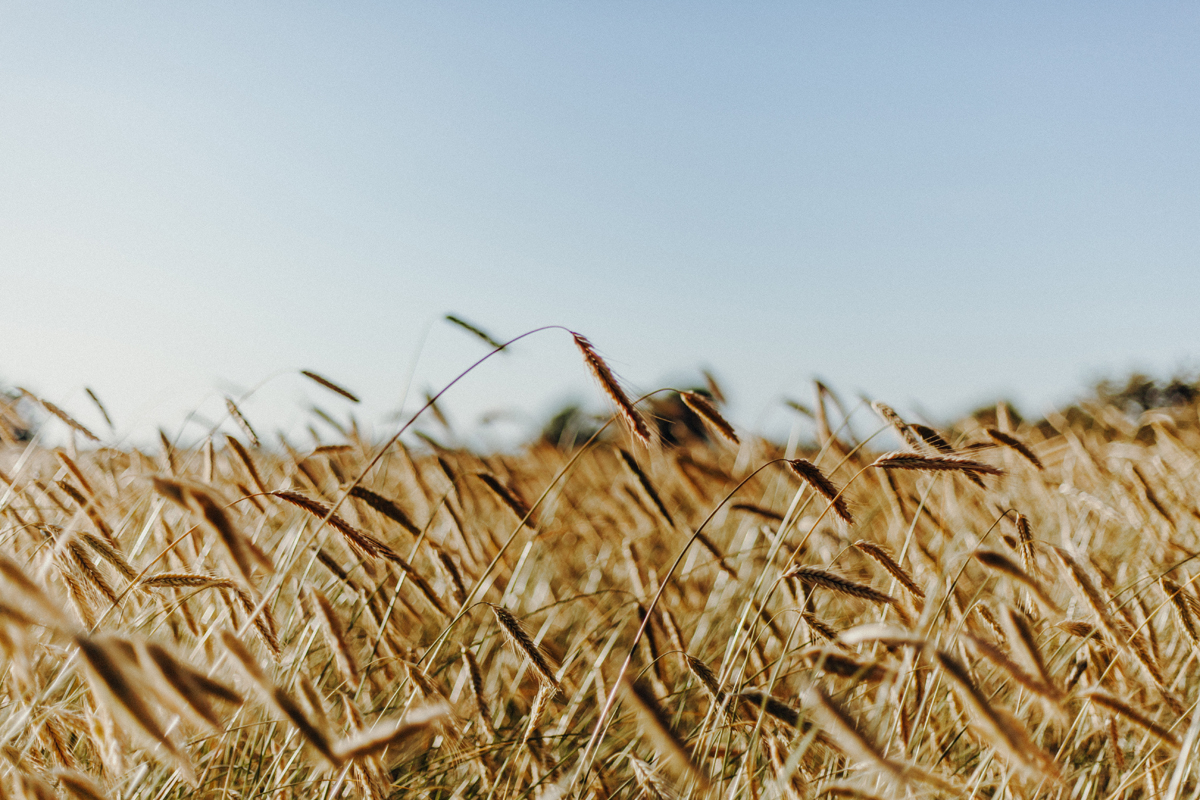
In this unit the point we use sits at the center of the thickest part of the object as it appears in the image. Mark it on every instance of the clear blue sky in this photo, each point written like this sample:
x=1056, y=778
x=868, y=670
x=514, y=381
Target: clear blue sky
x=938, y=204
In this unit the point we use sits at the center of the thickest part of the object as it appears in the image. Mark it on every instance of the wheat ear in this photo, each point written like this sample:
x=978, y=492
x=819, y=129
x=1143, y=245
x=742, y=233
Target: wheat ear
x=658, y=725
x=330, y=385
x=1106, y=700
x=521, y=640
x=66, y=418
x=932, y=439
x=847, y=733
x=1020, y=634
x=608, y=382
x=1025, y=541
x=772, y=706
x=899, y=425
x=335, y=637
x=193, y=687
x=242, y=422
x=759, y=511
x=481, y=703
x=363, y=543
x=111, y=554
x=1182, y=604
x=885, y=560
x=1004, y=730
x=708, y=678
x=937, y=444
x=701, y=407
x=111, y=661
x=386, y=507
x=79, y=785
x=1001, y=563
x=247, y=462
x=836, y=583
x=474, y=330
x=812, y=475
x=508, y=497
x=537, y=712
x=912, y=461
x=1013, y=443
x=392, y=734
x=643, y=481
x=842, y=664
x=280, y=699
x=100, y=407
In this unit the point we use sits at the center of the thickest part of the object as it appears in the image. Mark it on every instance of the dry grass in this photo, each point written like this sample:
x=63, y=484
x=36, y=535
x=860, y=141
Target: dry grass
x=383, y=619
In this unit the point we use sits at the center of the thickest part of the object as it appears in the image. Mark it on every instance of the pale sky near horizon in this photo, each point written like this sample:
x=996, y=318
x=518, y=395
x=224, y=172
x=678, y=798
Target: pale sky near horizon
x=936, y=204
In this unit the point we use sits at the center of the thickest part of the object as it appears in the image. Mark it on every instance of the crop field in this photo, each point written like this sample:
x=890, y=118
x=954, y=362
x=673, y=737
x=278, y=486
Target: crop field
x=653, y=604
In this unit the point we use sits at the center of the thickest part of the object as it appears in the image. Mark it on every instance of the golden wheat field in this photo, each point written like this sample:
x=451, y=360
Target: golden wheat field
x=659, y=605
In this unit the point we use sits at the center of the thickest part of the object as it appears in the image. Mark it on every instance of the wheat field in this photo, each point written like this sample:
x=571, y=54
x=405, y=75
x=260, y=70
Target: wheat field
x=661, y=605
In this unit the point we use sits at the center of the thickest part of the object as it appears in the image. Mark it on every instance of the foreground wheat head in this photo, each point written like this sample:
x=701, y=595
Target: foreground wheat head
x=1009, y=610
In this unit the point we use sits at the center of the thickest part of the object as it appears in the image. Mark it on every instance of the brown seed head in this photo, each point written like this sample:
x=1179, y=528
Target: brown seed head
x=934, y=463
x=701, y=407
x=608, y=382
x=330, y=385
x=812, y=475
